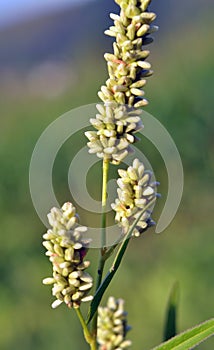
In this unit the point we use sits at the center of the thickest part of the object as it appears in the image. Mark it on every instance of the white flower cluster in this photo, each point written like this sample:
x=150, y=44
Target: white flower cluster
x=136, y=190
x=127, y=66
x=119, y=118
x=66, y=249
x=112, y=326
x=116, y=126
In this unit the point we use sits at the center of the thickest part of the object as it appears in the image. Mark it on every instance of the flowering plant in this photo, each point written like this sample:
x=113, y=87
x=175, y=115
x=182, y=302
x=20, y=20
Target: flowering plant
x=115, y=127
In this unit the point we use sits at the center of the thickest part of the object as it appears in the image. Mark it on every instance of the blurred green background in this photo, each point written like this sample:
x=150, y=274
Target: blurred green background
x=53, y=63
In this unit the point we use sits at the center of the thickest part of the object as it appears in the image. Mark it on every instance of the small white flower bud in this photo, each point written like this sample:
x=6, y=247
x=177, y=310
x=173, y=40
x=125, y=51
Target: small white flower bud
x=56, y=303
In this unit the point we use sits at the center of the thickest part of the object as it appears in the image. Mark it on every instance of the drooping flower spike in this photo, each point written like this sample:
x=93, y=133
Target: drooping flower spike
x=66, y=249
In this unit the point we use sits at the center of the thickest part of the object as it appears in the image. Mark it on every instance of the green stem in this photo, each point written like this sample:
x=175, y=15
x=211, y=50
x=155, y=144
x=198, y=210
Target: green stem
x=88, y=337
x=101, y=263
x=104, y=201
x=111, y=250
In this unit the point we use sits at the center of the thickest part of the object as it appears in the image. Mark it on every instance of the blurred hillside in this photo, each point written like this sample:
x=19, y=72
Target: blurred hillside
x=66, y=34
x=56, y=35
x=51, y=64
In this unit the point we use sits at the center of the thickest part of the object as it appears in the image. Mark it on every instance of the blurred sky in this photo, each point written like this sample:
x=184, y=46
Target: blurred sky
x=15, y=10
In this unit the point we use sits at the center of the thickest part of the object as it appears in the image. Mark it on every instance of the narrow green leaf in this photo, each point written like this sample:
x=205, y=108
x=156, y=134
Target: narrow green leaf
x=190, y=338
x=171, y=313
x=116, y=263
x=99, y=293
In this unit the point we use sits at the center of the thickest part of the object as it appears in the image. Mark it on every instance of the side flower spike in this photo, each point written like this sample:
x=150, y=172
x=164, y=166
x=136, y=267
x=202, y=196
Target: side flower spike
x=136, y=190
x=112, y=326
x=66, y=249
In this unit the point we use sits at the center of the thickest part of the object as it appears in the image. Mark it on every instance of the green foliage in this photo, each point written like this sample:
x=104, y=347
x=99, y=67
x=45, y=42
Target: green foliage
x=190, y=338
x=171, y=314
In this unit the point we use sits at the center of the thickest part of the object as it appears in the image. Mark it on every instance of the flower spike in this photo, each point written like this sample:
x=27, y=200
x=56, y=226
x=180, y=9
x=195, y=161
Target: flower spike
x=66, y=249
x=127, y=66
x=118, y=119
x=112, y=326
x=135, y=191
